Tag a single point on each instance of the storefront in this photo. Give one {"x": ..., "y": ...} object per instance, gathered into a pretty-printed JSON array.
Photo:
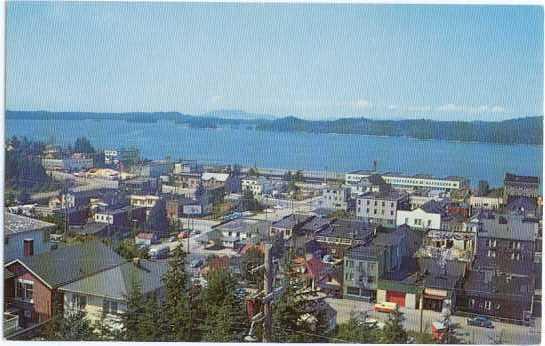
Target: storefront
[{"x": 433, "y": 299}]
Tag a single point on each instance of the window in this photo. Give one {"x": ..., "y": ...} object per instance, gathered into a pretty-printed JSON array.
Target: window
[
  {"x": 109, "y": 307},
  {"x": 392, "y": 204},
  {"x": 429, "y": 223},
  {"x": 78, "y": 301},
  {"x": 472, "y": 302},
  {"x": 391, "y": 213},
  {"x": 383, "y": 203},
  {"x": 488, "y": 305},
  {"x": 24, "y": 290}
]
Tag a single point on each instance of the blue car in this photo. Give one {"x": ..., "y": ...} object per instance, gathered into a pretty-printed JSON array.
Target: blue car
[{"x": 480, "y": 322}]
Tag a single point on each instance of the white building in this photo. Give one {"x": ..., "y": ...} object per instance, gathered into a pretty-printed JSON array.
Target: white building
[
  {"x": 336, "y": 198},
  {"x": 67, "y": 164},
  {"x": 381, "y": 207},
  {"x": 146, "y": 201},
  {"x": 484, "y": 202},
  {"x": 258, "y": 186},
  {"x": 24, "y": 236},
  {"x": 417, "y": 181},
  {"x": 111, "y": 156},
  {"x": 423, "y": 218}
]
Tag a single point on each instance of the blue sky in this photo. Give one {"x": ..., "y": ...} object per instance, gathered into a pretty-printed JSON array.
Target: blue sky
[{"x": 313, "y": 61}]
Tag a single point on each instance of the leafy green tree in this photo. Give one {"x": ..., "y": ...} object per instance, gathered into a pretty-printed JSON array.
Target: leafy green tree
[
  {"x": 68, "y": 325},
  {"x": 292, "y": 187},
  {"x": 393, "y": 331},
  {"x": 339, "y": 214},
  {"x": 354, "y": 332},
  {"x": 82, "y": 145},
  {"x": 253, "y": 172},
  {"x": 128, "y": 250},
  {"x": 298, "y": 176},
  {"x": 251, "y": 259},
  {"x": 249, "y": 202}
]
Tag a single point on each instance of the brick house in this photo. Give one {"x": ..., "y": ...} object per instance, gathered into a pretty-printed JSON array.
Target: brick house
[{"x": 32, "y": 291}]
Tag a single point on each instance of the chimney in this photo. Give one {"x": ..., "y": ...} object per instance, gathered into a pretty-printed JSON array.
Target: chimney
[{"x": 28, "y": 247}]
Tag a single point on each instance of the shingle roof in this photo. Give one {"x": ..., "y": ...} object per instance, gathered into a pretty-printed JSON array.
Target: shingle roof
[
  {"x": 18, "y": 224},
  {"x": 435, "y": 207},
  {"x": 89, "y": 228},
  {"x": 390, "y": 195},
  {"x": 432, "y": 266},
  {"x": 498, "y": 284},
  {"x": 116, "y": 283},
  {"x": 315, "y": 224},
  {"x": 356, "y": 229},
  {"x": 291, "y": 221},
  {"x": 389, "y": 238},
  {"x": 364, "y": 252},
  {"x": 507, "y": 227},
  {"x": 71, "y": 263}
]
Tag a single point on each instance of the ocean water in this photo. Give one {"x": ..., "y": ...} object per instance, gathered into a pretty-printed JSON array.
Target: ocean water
[{"x": 331, "y": 152}]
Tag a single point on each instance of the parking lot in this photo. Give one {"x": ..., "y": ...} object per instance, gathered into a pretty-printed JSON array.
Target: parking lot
[{"x": 502, "y": 332}]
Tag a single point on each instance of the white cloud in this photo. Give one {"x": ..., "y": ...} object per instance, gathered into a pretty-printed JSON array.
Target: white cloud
[
  {"x": 361, "y": 104},
  {"x": 216, "y": 99},
  {"x": 418, "y": 108},
  {"x": 471, "y": 109}
]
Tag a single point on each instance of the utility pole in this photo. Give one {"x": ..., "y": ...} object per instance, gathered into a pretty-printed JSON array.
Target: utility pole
[
  {"x": 421, "y": 306},
  {"x": 267, "y": 309}
]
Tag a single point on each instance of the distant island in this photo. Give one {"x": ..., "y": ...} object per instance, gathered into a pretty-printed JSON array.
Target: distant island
[{"x": 528, "y": 130}]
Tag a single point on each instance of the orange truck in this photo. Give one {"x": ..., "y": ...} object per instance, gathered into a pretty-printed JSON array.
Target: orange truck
[{"x": 385, "y": 307}]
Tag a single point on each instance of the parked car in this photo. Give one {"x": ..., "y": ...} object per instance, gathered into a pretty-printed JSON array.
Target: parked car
[
  {"x": 385, "y": 307},
  {"x": 159, "y": 252},
  {"x": 373, "y": 323},
  {"x": 171, "y": 239},
  {"x": 196, "y": 263},
  {"x": 480, "y": 321}
]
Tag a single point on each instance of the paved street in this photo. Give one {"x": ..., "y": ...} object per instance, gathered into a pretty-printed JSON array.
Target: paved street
[{"x": 510, "y": 333}]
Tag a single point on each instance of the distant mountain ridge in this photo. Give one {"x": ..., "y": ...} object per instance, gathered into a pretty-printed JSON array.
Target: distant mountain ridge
[
  {"x": 528, "y": 130},
  {"x": 237, "y": 114}
]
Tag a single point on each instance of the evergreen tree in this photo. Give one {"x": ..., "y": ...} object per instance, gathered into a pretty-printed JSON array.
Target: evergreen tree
[
  {"x": 75, "y": 326},
  {"x": 135, "y": 314},
  {"x": 393, "y": 331},
  {"x": 290, "y": 307},
  {"x": 177, "y": 305},
  {"x": 225, "y": 312}
]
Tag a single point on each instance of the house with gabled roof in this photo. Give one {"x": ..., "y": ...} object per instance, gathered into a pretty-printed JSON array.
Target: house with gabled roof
[
  {"x": 25, "y": 236},
  {"x": 33, "y": 290},
  {"x": 103, "y": 296}
]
